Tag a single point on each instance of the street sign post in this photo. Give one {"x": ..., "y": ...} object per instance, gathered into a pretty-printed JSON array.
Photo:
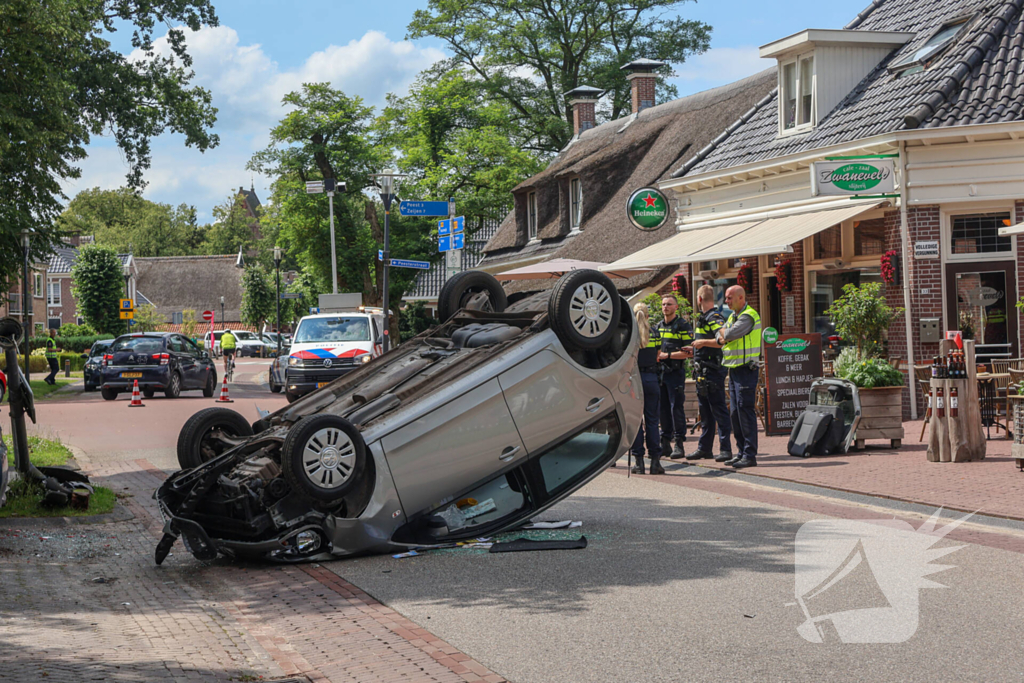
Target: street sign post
[
  {"x": 127, "y": 305},
  {"x": 406, "y": 263},
  {"x": 444, "y": 243},
  {"x": 422, "y": 208},
  {"x": 208, "y": 316},
  {"x": 127, "y": 315},
  {"x": 458, "y": 241},
  {"x": 291, "y": 295},
  {"x": 314, "y": 186}
]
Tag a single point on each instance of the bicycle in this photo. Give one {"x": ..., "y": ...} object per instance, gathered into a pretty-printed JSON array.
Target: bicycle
[{"x": 229, "y": 364}]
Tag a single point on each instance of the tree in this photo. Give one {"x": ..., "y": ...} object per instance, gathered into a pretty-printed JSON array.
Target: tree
[
  {"x": 529, "y": 53},
  {"x": 653, "y": 302},
  {"x": 97, "y": 284},
  {"x": 232, "y": 229},
  {"x": 147, "y": 319},
  {"x": 861, "y": 315},
  {"x": 189, "y": 324},
  {"x": 415, "y": 319},
  {"x": 257, "y": 297},
  {"x": 61, "y": 83}
]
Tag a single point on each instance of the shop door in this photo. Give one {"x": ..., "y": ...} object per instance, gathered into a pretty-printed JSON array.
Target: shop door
[
  {"x": 774, "y": 304},
  {"x": 980, "y": 300}
]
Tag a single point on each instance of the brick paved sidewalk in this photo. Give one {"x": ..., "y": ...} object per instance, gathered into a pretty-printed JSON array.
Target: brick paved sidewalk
[
  {"x": 993, "y": 486},
  {"x": 87, "y": 603}
]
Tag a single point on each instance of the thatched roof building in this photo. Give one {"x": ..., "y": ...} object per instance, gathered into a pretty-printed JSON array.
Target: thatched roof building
[
  {"x": 175, "y": 283},
  {"x": 611, "y": 161}
]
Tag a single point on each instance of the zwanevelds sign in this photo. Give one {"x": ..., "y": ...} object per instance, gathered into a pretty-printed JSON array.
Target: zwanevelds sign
[
  {"x": 791, "y": 363},
  {"x": 647, "y": 209},
  {"x": 871, "y": 176}
]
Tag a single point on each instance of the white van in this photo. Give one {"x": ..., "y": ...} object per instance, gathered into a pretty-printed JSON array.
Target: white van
[{"x": 325, "y": 346}]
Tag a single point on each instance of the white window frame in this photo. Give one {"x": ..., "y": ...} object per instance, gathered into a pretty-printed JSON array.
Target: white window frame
[
  {"x": 37, "y": 285},
  {"x": 951, "y": 211},
  {"x": 799, "y": 126},
  {"x": 50, "y": 299},
  {"x": 531, "y": 215},
  {"x": 575, "y": 204}
]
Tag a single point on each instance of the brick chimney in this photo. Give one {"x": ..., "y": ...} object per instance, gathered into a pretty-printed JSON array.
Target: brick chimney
[
  {"x": 583, "y": 101},
  {"x": 642, "y": 80}
]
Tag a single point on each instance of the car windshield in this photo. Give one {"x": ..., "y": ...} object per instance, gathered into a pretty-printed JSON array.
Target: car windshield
[
  {"x": 138, "y": 345},
  {"x": 333, "y": 329}
]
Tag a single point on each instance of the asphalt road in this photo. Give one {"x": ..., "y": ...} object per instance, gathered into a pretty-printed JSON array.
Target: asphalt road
[
  {"x": 685, "y": 584},
  {"x": 109, "y": 431}
]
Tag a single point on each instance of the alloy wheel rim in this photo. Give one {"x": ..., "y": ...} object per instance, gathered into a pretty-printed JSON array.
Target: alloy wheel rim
[
  {"x": 591, "y": 309},
  {"x": 329, "y": 458}
]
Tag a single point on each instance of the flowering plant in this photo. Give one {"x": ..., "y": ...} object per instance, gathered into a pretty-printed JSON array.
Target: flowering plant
[
  {"x": 889, "y": 262},
  {"x": 745, "y": 278},
  {"x": 783, "y": 275}
]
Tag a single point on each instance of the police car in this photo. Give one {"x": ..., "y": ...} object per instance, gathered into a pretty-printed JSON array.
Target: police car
[{"x": 330, "y": 344}]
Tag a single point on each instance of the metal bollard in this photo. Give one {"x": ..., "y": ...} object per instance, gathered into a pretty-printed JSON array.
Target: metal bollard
[{"x": 67, "y": 367}]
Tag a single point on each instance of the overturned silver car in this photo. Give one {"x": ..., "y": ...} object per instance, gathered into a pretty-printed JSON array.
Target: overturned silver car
[{"x": 466, "y": 430}]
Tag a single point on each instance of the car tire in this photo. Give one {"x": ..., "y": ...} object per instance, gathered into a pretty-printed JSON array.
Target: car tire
[
  {"x": 173, "y": 389},
  {"x": 275, "y": 388},
  {"x": 584, "y": 309},
  {"x": 211, "y": 384},
  {"x": 90, "y": 387},
  {"x": 108, "y": 394},
  {"x": 148, "y": 393},
  {"x": 193, "y": 447},
  {"x": 323, "y": 458},
  {"x": 458, "y": 290},
  {"x": 292, "y": 398}
]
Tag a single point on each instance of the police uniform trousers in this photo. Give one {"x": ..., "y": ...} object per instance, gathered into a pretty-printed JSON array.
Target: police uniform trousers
[
  {"x": 742, "y": 407},
  {"x": 713, "y": 411},
  {"x": 649, "y": 430},
  {"x": 673, "y": 410}
]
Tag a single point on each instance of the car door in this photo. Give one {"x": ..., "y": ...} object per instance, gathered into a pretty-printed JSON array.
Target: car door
[
  {"x": 549, "y": 398},
  {"x": 446, "y": 452},
  {"x": 204, "y": 366},
  {"x": 185, "y": 362}
]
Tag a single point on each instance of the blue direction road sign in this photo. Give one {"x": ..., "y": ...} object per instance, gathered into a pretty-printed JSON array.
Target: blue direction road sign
[
  {"x": 405, "y": 263},
  {"x": 291, "y": 295},
  {"x": 422, "y": 208},
  {"x": 444, "y": 243},
  {"x": 444, "y": 227},
  {"x": 458, "y": 223},
  {"x": 458, "y": 240},
  {"x": 380, "y": 254}
]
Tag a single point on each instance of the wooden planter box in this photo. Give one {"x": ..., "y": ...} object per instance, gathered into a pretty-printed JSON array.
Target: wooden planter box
[{"x": 881, "y": 416}]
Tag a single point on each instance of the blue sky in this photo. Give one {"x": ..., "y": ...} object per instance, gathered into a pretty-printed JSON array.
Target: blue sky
[{"x": 266, "y": 48}]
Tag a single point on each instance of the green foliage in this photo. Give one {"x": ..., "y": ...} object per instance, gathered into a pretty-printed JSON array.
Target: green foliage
[
  {"x": 555, "y": 47},
  {"x": 415, "y": 319},
  {"x": 862, "y": 317},
  {"x": 189, "y": 323},
  {"x": 147, "y": 319},
  {"x": 653, "y": 302},
  {"x": 41, "y": 452},
  {"x": 232, "y": 228},
  {"x": 73, "y": 330},
  {"x": 98, "y": 284},
  {"x": 62, "y": 82},
  {"x": 25, "y": 499},
  {"x": 78, "y": 344},
  {"x": 257, "y": 297},
  {"x": 868, "y": 372}
]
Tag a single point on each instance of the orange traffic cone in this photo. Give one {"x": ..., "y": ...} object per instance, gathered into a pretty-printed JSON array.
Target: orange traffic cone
[
  {"x": 136, "y": 399},
  {"x": 224, "y": 393}
]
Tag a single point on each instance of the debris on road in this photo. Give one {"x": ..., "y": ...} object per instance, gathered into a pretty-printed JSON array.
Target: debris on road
[{"x": 528, "y": 544}]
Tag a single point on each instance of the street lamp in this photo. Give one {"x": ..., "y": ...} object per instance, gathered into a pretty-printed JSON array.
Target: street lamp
[
  {"x": 388, "y": 182},
  {"x": 277, "y": 268},
  {"x": 127, "y": 294},
  {"x": 26, "y": 300}
]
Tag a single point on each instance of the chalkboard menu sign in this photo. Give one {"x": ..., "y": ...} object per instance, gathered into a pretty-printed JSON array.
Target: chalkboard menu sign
[{"x": 791, "y": 364}]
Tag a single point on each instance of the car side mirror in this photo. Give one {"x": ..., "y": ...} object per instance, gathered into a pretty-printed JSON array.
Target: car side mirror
[
  {"x": 84, "y": 355},
  {"x": 205, "y": 355}
]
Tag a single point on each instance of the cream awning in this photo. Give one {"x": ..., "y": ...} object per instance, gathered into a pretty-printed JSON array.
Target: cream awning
[
  {"x": 775, "y": 235},
  {"x": 680, "y": 248}
]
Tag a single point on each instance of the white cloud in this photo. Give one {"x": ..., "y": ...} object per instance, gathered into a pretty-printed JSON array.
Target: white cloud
[
  {"x": 718, "y": 66},
  {"x": 247, "y": 87}
]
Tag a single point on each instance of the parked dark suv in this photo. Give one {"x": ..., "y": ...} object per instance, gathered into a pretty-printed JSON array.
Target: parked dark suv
[{"x": 160, "y": 361}]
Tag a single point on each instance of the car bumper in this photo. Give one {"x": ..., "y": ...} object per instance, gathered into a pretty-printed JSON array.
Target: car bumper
[
  {"x": 301, "y": 382},
  {"x": 149, "y": 379}
]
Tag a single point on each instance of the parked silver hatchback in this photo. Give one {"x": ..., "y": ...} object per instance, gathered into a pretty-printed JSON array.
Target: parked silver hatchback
[{"x": 468, "y": 429}]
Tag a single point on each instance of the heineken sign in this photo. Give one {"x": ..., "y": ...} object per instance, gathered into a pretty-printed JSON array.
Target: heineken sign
[
  {"x": 647, "y": 209},
  {"x": 865, "y": 176}
]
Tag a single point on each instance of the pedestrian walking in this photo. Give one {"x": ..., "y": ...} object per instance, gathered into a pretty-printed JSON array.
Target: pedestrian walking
[
  {"x": 709, "y": 373},
  {"x": 740, "y": 340},
  {"x": 647, "y": 361},
  {"x": 51, "y": 357},
  {"x": 676, "y": 337}
]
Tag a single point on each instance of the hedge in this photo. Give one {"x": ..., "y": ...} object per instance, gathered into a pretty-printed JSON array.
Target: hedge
[
  {"x": 72, "y": 344},
  {"x": 38, "y": 363}
]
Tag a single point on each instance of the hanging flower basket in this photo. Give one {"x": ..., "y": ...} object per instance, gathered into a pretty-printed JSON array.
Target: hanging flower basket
[
  {"x": 890, "y": 263},
  {"x": 679, "y": 285},
  {"x": 745, "y": 278},
  {"x": 784, "y": 275}
]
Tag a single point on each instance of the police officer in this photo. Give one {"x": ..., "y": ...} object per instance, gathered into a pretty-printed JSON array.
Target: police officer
[
  {"x": 676, "y": 337},
  {"x": 647, "y": 361},
  {"x": 710, "y": 375},
  {"x": 51, "y": 357},
  {"x": 740, "y": 340}
]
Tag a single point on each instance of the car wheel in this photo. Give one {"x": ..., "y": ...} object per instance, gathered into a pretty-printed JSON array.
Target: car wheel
[
  {"x": 196, "y": 443},
  {"x": 90, "y": 387},
  {"x": 584, "y": 309},
  {"x": 108, "y": 394},
  {"x": 211, "y": 384},
  {"x": 460, "y": 289},
  {"x": 174, "y": 386},
  {"x": 323, "y": 458},
  {"x": 275, "y": 388},
  {"x": 292, "y": 398},
  {"x": 148, "y": 393}
]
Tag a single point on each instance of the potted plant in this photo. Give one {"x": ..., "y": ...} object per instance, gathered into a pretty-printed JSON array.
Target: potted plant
[{"x": 861, "y": 316}]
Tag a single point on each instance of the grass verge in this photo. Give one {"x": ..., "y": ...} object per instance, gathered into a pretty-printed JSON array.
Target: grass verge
[
  {"x": 25, "y": 499},
  {"x": 42, "y": 452},
  {"x": 41, "y": 389}
]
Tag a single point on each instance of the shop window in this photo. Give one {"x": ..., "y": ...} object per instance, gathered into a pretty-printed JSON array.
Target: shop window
[
  {"x": 979, "y": 234},
  {"x": 829, "y": 243},
  {"x": 531, "y": 215},
  {"x": 797, "y": 98},
  {"x": 869, "y": 237},
  {"x": 736, "y": 263},
  {"x": 828, "y": 286},
  {"x": 575, "y": 203}
]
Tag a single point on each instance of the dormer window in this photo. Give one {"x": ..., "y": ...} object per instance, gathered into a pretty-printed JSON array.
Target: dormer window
[
  {"x": 933, "y": 47},
  {"x": 575, "y": 203},
  {"x": 531, "y": 215},
  {"x": 797, "y": 90}
]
